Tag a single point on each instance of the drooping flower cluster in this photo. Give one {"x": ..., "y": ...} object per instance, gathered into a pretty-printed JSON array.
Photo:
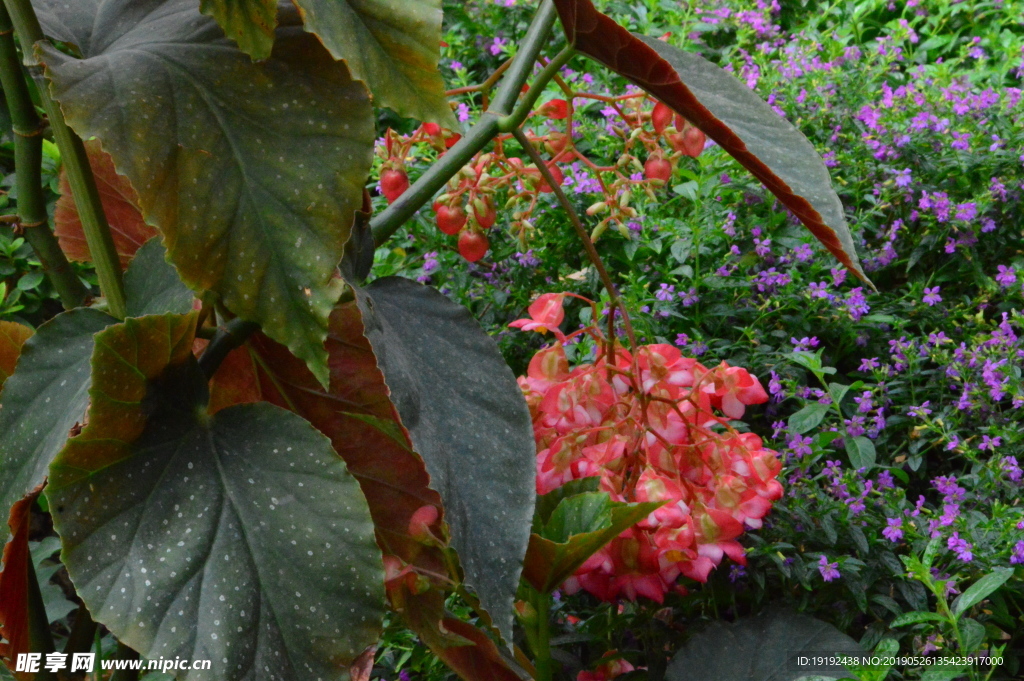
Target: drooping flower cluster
[{"x": 653, "y": 426}]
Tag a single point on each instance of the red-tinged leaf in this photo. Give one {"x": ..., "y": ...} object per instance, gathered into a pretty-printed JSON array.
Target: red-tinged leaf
[
  {"x": 120, "y": 203},
  {"x": 726, "y": 110},
  {"x": 17, "y": 562},
  {"x": 392, "y": 477},
  {"x": 12, "y": 337},
  {"x": 363, "y": 666}
]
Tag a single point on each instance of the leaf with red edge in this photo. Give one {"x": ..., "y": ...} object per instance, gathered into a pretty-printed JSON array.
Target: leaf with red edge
[
  {"x": 726, "y": 110},
  {"x": 17, "y": 562},
  {"x": 120, "y": 203},
  {"x": 354, "y": 414},
  {"x": 392, "y": 477},
  {"x": 12, "y": 337}
]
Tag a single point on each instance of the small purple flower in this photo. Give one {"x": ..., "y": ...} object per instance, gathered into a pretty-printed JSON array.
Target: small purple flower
[
  {"x": 931, "y": 296},
  {"x": 894, "y": 529},
  {"x": 961, "y": 547},
  {"x": 689, "y": 298},
  {"x": 903, "y": 178},
  {"x": 665, "y": 292},
  {"x": 1018, "y": 554},
  {"x": 819, "y": 289},
  {"x": 829, "y": 571},
  {"x": 1007, "y": 276},
  {"x": 799, "y": 445},
  {"x": 805, "y": 343},
  {"x": 682, "y": 340},
  {"x": 803, "y": 253},
  {"x": 989, "y": 443},
  {"x": 868, "y": 364},
  {"x": 1012, "y": 469},
  {"x": 497, "y": 46},
  {"x": 921, "y": 411}
]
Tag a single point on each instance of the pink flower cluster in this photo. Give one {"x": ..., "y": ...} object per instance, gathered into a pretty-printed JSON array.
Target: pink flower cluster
[{"x": 653, "y": 426}]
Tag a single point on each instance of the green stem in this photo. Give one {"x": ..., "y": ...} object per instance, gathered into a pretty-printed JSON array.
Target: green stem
[
  {"x": 588, "y": 245},
  {"x": 82, "y": 633},
  {"x": 542, "y": 650},
  {"x": 125, "y": 653},
  {"x": 227, "y": 338},
  {"x": 40, "y": 638},
  {"x": 387, "y": 223},
  {"x": 28, "y": 157},
  {"x": 525, "y": 106},
  {"x": 76, "y": 164}
]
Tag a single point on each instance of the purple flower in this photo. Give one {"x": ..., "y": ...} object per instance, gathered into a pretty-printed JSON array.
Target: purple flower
[
  {"x": 921, "y": 411},
  {"x": 948, "y": 487},
  {"x": 903, "y": 178},
  {"x": 690, "y": 297},
  {"x": 989, "y": 443},
  {"x": 1018, "y": 554},
  {"x": 1007, "y": 276},
  {"x": 805, "y": 343},
  {"x": 829, "y": 571},
  {"x": 682, "y": 340},
  {"x": 931, "y": 296},
  {"x": 665, "y": 292},
  {"x": 894, "y": 529},
  {"x": 1012, "y": 468},
  {"x": 803, "y": 253},
  {"x": 856, "y": 303},
  {"x": 885, "y": 480},
  {"x": 864, "y": 401},
  {"x": 868, "y": 364},
  {"x": 497, "y": 46},
  {"x": 819, "y": 289},
  {"x": 799, "y": 445},
  {"x": 961, "y": 547}
]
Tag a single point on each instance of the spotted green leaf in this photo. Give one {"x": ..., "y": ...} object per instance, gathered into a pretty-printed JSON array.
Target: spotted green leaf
[
  {"x": 44, "y": 397},
  {"x": 238, "y": 538},
  {"x": 252, "y": 171},
  {"x": 467, "y": 418}
]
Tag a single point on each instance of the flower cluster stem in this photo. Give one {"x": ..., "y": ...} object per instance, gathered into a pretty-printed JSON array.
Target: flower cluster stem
[
  {"x": 387, "y": 222},
  {"x": 76, "y": 164},
  {"x": 32, "y": 218}
]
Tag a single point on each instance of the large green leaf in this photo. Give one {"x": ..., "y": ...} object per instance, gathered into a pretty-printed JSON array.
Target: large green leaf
[
  {"x": 763, "y": 648},
  {"x": 392, "y": 46},
  {"x": 152, "y": 286},
  {"x": 238, "y": 537},
  {"x": 467, "y": 418},
  {"x": 252, "y": 171},
  {"x": 578, "y": 527},
  {"x": 44, "y": 398},
  {"x": 727, "y": 110}
]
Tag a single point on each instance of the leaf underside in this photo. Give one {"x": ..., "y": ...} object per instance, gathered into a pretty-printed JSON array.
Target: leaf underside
[
  {"x": 718, "y": 103},
  {"x": 12, "y": 337},
  {"x": 466, "y": 417},
  {"x": 120, "y": 205},
  {"x": 252, "y": 171},
  {"x": 392, "y": 477},
  {"x": 14, "y": 623},
  {"x": 44, "y": 398},
  {"x": 238, "y": 538}
]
